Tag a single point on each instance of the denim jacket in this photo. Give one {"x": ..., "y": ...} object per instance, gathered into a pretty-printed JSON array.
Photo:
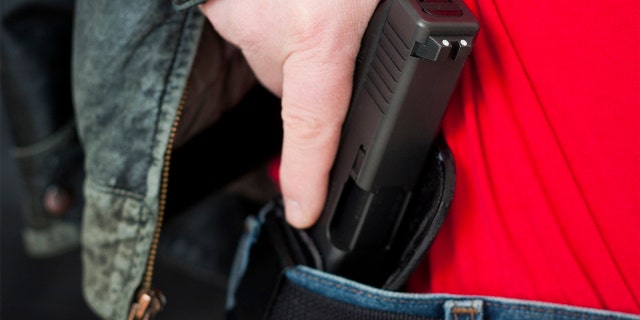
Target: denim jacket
[{"x": 131, "y": 62}]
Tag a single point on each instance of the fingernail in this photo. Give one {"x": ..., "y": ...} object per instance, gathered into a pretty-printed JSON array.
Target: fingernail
[{"x": 294, "y": 214}]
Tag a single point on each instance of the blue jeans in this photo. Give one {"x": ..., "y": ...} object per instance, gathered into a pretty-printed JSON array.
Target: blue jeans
[
  {"x": 437, "y": 306},
  {"x": 305, "y": 293}
]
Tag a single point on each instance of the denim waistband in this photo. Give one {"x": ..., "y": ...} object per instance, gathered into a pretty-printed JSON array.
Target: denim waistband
[{"x": 438, "y": 306}]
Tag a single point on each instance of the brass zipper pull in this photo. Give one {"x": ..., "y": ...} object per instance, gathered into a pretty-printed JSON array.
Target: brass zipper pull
[{"x": 150, "y": 303}]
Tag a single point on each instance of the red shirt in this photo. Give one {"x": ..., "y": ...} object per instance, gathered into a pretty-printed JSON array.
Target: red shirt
[{"x": 544, "y": 128}]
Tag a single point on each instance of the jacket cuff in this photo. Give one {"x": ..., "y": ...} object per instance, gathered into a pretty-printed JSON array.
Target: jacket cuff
[{"x": 181, "y": 5}]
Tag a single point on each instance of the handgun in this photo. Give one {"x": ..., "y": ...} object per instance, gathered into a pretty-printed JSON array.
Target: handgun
[
  {"x": 410, "y": 59},
  {"x": 393, "y": 177}
]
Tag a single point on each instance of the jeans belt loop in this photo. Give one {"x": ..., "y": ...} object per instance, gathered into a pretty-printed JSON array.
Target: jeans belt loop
[{"x": 463, "y": 310}]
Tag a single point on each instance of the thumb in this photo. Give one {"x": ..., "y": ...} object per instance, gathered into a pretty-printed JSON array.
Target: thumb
[{"x": 315, "y": 98}]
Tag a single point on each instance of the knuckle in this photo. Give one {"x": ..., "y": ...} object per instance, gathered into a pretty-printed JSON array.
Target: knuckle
[{"x": 304, "y": 126}]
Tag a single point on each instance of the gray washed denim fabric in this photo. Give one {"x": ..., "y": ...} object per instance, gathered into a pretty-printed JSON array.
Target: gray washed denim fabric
[{"x": 131, "y": 62}]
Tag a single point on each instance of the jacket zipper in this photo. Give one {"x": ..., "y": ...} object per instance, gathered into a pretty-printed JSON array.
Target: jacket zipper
[{"x": 150, "y": 301}]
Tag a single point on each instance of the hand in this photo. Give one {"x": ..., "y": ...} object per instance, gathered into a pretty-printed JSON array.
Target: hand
[{"x": 303, "y": 51}]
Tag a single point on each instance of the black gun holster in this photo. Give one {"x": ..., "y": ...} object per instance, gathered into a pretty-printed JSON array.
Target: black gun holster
[{"x": 270, "y": 249}]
